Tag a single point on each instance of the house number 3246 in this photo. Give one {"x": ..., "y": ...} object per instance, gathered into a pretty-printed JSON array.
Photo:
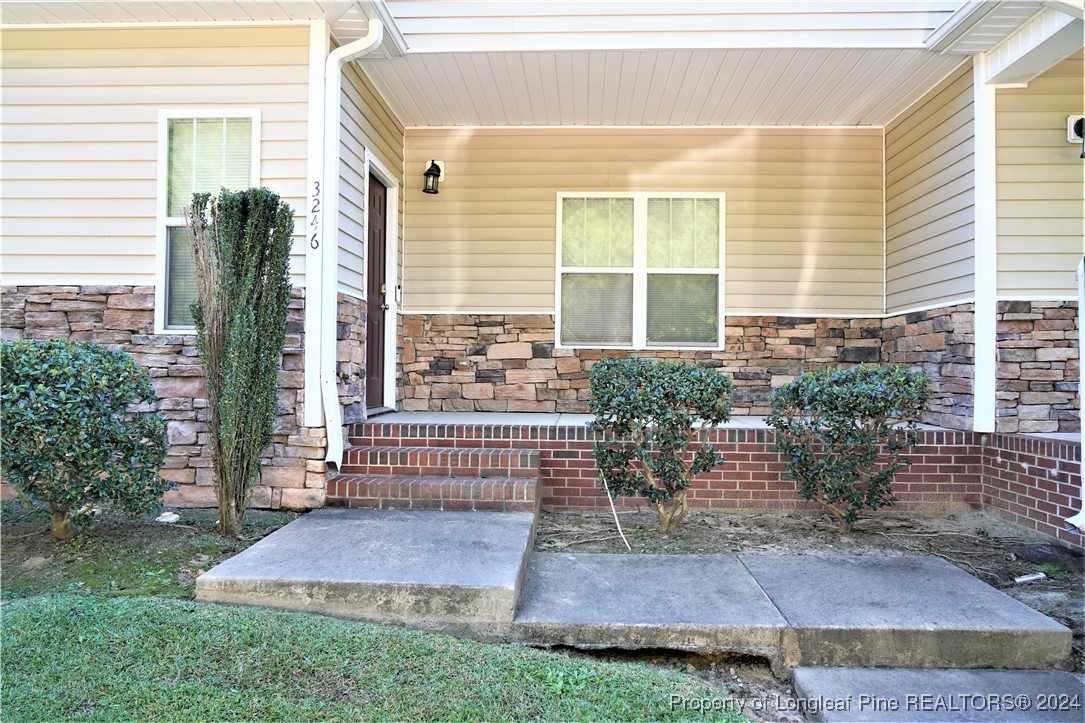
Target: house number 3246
[{"x": 314, "y": 219}]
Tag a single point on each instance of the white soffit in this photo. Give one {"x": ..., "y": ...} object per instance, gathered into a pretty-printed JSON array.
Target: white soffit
[
  {"x": 729, "y": 87},
  {"x": 651, "y": 62},
  {"x": 980, "y": 25}
]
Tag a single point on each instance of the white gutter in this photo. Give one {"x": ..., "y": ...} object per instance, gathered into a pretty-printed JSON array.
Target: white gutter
[
  {"x": 328, "y": 221},
  {"x": 1076, "y": 524}
]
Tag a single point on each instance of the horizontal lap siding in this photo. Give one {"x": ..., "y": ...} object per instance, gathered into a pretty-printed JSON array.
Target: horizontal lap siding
[
  {"x": 80, "y": 138},
  {"x": 365, "y": 119},
  {"x": 1041, "y": 185},
  {"x": 804, "y": 211},
  {"x": 930, "y": 210}
]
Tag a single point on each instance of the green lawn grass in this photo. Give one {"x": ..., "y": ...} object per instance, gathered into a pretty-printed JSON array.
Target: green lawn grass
[{"x": 112, "y": 641}]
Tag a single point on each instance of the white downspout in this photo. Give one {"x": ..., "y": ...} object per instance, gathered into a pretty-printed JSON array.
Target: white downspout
[
  {"x": 329, "y": 221},
  {"x": 1076, "y": 523}
]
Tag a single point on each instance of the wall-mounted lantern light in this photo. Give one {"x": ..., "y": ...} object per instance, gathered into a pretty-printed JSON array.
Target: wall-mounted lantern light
[
  {"x": 432, "y": 175},
  {"x": 1075, "y": 131}
]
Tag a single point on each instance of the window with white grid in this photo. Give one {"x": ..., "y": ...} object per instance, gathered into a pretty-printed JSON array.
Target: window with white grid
[
  {"x": 640, "y": 270},
  {"x": 201, "y": 152}
]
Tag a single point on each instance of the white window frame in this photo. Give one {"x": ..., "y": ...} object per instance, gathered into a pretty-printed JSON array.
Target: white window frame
[
  {"x": 164, "y": 222},
  {"x": 640, "y": 270}
]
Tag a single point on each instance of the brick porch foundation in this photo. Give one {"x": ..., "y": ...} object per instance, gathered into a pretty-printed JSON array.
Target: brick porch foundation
[{"x": 1027, "y": 480}]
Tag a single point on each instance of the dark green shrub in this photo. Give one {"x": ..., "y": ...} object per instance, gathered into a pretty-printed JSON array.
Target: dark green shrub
[
  {"x": 844, "y": 432},
  {"x": 654, "y": 417},
  {"x": 72, "y": 435},
  {"x": 241, "y": 242}
]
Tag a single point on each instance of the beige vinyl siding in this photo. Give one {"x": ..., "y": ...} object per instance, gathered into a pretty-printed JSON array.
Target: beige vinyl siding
[
  {"x": 365, "y": 120},
  {"x": 929, "y": 198},
  {"x": 804, "y": 211},
  {"x": 1040, "y": 185},
  {"x": 80, "y": 138}
]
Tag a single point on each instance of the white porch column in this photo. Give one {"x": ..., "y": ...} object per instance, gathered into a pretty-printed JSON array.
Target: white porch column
[{"x": 986, "y": 251}]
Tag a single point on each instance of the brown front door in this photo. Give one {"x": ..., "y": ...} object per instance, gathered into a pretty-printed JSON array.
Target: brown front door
[{"x": 376, "y": 294}]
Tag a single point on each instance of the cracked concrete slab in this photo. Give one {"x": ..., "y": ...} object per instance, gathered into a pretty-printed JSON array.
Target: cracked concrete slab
[
  {"x": 383, "y": 566},
  {"x": 904, "y": 611},
  {"x": 692, "y": 602},
  {"x": 910, "y": 695}
]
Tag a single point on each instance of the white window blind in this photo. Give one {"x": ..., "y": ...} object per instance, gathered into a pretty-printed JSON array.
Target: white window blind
[
  {"x": 180, "y": 277},
  {"x": 206, "y": 154},
  {"x": 640, "y": 270}
]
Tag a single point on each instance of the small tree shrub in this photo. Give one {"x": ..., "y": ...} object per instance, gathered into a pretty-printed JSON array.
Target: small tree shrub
[
  {"x": 72, "y": 435},
  {"x": 241, "y": 242},
  {"x": 654, "y": 417},
  {"x": 844, "y": 432}
]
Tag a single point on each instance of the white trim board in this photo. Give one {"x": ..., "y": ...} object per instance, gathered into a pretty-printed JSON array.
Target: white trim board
[
  {"x": 136, "y": 24},
  {"x": 705, "y": 127},
  {"x": 732, "y": 313}
]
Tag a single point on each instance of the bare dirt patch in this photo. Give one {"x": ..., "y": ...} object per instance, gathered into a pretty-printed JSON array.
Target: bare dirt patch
[{"x": 980, "y": 544}]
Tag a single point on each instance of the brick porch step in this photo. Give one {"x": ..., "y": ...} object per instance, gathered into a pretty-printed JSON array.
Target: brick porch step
[
  {"x": 461, "y": 494},
  {"x": 440, "y": 461}
]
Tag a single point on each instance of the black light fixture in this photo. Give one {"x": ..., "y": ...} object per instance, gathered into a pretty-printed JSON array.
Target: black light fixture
[
  {"x": 1079, "y": 131},
  {"x": 432, "y": 176}
]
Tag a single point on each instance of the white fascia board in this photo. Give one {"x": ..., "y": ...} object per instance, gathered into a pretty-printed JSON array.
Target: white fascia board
[
  {"x": 618, "y": 127},
  {"x": 945, "y": 36},
  {"x": 1048, "y": 38},
  {"x": 1074, "y": 8},
  {"x": 394, "y": 40}
]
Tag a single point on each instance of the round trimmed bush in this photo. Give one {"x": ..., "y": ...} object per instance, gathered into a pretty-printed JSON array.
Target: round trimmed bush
[{"x": 78, "y": 430}]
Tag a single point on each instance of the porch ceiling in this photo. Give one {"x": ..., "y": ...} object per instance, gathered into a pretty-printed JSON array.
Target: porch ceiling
[
  {"x": 686, "y": 87},
  {"x": 648, "y": 63}
]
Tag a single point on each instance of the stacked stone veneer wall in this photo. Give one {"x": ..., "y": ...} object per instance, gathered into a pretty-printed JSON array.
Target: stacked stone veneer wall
[
  {"x": 1033, "y": 482},
  {"x": 1037, "y": 366},
  {"x": 941, "y": 342},
  {"x": 474, "y": 362},
  {"x": 122, "y": 317},
  {"x": 509, "y": 363},
  {"x": 350, "y": 356}
]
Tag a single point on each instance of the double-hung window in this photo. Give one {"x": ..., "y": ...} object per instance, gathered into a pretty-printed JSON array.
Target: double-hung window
[
  {"x": 199, "y": 152},
  {"x": 640, "y": 270}
]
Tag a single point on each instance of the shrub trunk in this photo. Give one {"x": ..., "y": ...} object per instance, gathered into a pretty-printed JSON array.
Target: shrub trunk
[{"x": 62, "y": 526}]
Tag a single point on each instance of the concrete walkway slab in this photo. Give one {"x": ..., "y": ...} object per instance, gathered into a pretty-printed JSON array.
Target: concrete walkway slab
[
  {"x": 383, "y": 566},
  {"x": 474, "y": 574},
  {"x": 904, "y": 612},
  {"x": 889, "y": 695},
  {"x": 691, "y": 602}
]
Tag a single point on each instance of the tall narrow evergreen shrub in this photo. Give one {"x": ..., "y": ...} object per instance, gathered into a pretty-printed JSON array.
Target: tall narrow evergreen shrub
[{"x": 241, "y": 242}]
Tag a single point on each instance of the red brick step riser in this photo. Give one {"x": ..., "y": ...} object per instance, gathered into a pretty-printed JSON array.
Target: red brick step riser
[
  {"x": 434, "y": 493},
  {"x": 441, "y": 461}
]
